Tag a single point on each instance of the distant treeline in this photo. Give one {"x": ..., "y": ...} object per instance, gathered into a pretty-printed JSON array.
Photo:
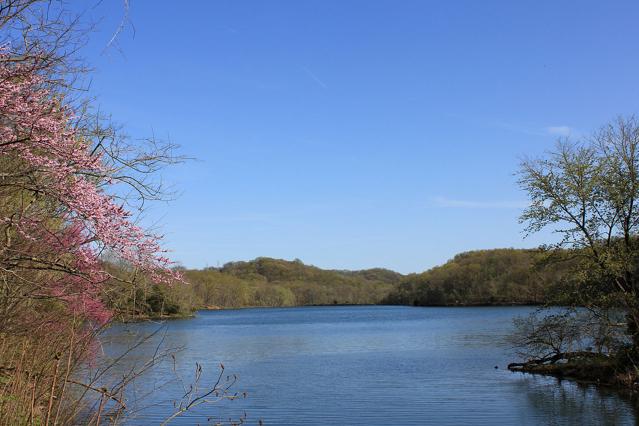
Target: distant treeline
[
  {"x": 484, "y": 277},
  {"x": 260, "y": 282}
]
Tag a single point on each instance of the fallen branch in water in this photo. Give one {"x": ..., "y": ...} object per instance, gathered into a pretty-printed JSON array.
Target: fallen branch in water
[{"x": 553, "y": 359}]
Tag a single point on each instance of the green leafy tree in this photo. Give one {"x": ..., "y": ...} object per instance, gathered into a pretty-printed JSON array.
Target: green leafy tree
[{"x": 587, "y": 192}]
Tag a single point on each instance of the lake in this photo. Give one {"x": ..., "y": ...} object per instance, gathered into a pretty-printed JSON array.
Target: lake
[{"x": 356, "y": 365}]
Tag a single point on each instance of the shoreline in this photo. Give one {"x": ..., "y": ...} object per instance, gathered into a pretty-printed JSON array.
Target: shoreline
[
  {"x": 468, "y": 305},
  {"x": 325, "y": 305},
  {"x": 601, "y": 376}
]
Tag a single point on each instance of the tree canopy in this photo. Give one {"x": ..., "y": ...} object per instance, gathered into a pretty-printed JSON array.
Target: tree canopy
[
  {"x": 483, "y": 277},
  {"x": 586, "y": 192}
]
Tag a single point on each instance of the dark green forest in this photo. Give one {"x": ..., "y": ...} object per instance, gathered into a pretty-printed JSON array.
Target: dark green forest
[{"x": 483, "y": 277}]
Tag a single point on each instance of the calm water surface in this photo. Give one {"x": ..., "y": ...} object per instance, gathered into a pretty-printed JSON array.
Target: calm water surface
[{"x": 358, "y": 366}]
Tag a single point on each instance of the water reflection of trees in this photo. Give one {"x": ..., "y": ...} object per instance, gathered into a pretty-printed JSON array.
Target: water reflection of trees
[{"x": 554, "y": 401}]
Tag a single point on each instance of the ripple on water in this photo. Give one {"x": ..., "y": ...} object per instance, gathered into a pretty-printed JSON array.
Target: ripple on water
[{"x": 362, "y": 366}]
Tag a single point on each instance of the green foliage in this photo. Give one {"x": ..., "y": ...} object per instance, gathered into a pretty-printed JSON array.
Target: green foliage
[
  {"x": 275, "y": 282},
  {"x": 484, "y": 277},
  {"x": 134, "y": 296},
  {"x": 260, "y": 282},
  {"x": 588, "y": 194}
]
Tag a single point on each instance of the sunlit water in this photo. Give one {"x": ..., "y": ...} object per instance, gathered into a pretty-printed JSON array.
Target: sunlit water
[{"x": 365, "y": 365}]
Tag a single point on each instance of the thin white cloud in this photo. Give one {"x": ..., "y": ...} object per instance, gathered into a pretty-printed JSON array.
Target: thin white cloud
[
  {"x": 516, "y": 128},
  {"x": 560, "y": 130},
  {"x": 471, "y": 204}
]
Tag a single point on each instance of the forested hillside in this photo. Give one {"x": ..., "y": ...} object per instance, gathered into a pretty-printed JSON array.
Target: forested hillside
[
  {"x": 274, "y": 282},
  {"x": 260, "y": 282},
  {"x": 483, "y": 277}
]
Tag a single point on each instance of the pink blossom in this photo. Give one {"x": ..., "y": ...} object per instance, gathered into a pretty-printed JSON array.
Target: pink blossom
[{"x": 36, "y": 128}]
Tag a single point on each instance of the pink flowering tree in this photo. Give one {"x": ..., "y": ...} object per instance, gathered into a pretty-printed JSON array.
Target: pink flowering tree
[
  {"x": 58, "y": 215},
  {"x": 69, "y": 181}
]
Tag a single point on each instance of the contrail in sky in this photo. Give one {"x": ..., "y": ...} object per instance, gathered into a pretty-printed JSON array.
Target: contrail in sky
[{"x": 315, "y": 78}]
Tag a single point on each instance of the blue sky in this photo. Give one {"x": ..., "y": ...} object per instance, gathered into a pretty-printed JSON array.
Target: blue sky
[{"x": 355, "y": 134}]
